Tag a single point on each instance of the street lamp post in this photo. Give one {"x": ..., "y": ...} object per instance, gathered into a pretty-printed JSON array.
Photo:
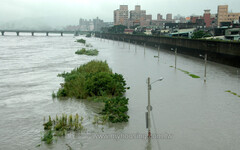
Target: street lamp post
[
  {"x": 205, "y": 69},
  {"x": 175, "y": 57},
  {"x": 128, "y": 44},
  {"x": 149, "y": 107},
  {"x": 144, "y": 47}
]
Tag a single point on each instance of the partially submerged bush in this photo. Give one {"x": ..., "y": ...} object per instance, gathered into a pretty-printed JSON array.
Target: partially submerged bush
[
  {"x": 116, "y": 109},
  {"x": 96, "y": 80},
  {"x": 84, "y": 51},
  {"x": 81, "y": 41}
]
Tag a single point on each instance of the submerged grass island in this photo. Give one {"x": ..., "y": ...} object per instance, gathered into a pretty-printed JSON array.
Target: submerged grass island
[
  {"x": 81, "y": 41},
  {"x": 90, "y": 52},
  {"x": 96, "y": 81}
]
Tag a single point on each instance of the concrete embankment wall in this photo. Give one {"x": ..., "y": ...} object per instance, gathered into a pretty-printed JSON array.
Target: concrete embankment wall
[{"x": 218, "y": 51}]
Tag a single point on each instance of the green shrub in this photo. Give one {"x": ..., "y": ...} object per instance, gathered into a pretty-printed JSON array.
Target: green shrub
[
  {"x": 116, "y": 109},
  {"x": 200, "y": 34},
  {"x": 92, "y": 79}
]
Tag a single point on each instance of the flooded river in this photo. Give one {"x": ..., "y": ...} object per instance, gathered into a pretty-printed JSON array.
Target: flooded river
[{"x": 187, "y": 114}]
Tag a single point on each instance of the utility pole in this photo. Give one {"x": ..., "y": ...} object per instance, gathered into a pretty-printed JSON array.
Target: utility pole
[
  {"x": 148, "y": 108},
  {"x": 205, "y": 71}
]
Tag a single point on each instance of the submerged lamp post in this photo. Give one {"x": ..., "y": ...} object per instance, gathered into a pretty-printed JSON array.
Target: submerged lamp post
[
  {"x": 128, "y": 44},
  {"x": 135, "y": 46},
  {"x": 205, "y": 70},
  {"x": 149, "y": 107},
  {"x": 175, "y": 56},
  {"x": 144, "y": 47}
]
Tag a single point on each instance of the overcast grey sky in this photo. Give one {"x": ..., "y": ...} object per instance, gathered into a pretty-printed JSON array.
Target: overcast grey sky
[{"x": 69, "y": 11}]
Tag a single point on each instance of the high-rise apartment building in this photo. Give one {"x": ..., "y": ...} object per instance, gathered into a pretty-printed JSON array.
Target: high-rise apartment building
[
  {"x": 169, "y": 17},
  {"x": 121, "y": 15},
  {"x": 138, "y": 15},
  {"x": 225, "y": 16},
  {"x": 148, "y": 17},
  {"x": 98, "y": 24},
  {"x": 222, "y": 14},
  {"x": 86, "y": 25}
]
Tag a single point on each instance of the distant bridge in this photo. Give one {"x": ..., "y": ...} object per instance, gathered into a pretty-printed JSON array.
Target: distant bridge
[{"x": 43, "y": 31}]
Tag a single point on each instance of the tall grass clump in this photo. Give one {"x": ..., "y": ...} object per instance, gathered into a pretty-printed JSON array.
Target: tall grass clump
[
  {"x": 95, "y": 80},
  {"x": 60, "y": 126}
]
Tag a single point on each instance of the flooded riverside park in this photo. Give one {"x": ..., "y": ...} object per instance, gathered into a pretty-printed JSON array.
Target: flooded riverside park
[{"x": 187, "y": 113}]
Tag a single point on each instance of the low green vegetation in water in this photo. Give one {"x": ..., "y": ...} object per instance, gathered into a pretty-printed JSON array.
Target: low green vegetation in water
[
  {"x": 188, "y": 73},
  {"x": 60, "y": 125},
  {"x": 194, "y": 76},
  {"x": 54, "y": 95},
  {"x": 89, "y": 45},
  {"x": 96, "y": 81},
  {"x": 48, "y": 137},
  {"x": 81, "y": 41},
  {"x": 84, "y": 51},
  {"x": 89, "y": 35},
  {"x": 233, "y": 93}
]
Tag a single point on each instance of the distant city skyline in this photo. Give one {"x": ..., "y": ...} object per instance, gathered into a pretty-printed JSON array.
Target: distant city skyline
[{"x": 67, "y": 12}]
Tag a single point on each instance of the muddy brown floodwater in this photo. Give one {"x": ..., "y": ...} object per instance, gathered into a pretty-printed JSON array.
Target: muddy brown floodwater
[{"x": 187, "y": 113}]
